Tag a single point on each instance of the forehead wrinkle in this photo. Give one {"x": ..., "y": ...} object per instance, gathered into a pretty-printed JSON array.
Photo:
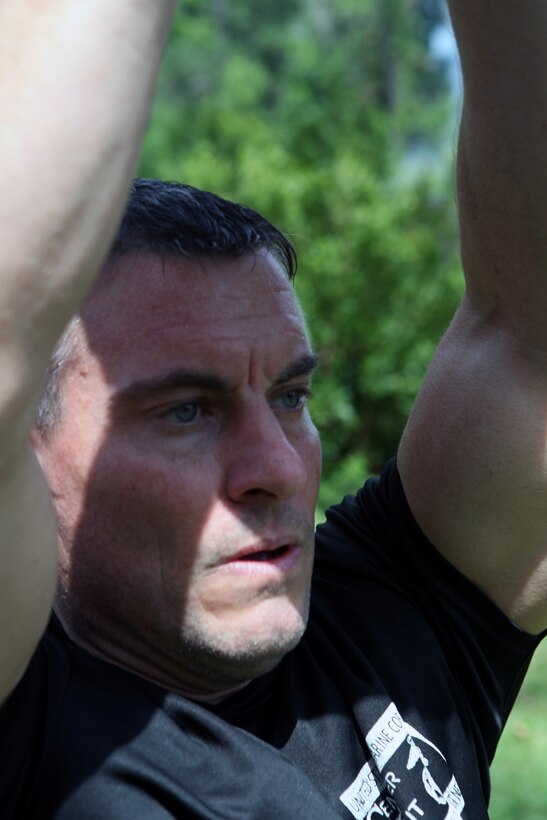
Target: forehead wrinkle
[
  {"x": 255, "y": 306},
  {"x": 271, "y": 293},
  {"x": 203, "y": 330}
]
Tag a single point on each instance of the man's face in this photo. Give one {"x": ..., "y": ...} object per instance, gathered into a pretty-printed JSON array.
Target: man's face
[{"x": 185, "y": 470}]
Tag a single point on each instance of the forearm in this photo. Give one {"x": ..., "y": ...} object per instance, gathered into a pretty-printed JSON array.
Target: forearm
[
  {"x": 502, "y": 161},
  {"x": 76, "y": 82},
  {"x": 473, "y": 456}
]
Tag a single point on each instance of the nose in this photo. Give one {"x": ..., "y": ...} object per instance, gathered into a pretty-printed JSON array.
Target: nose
[{"x": 265, "y": 463}]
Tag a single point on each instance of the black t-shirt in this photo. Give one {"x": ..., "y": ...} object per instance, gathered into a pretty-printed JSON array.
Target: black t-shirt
[{"x": 391, "y": 706}]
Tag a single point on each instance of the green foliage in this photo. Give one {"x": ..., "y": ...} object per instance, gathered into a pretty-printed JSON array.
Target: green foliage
[
  {"x": 310, "y": 112},
  {"x": 518, "y": 772}
]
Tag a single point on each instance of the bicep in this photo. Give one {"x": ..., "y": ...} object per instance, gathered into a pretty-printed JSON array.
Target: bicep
[
  {"x": 28, "y": 565},
  {"x": 474, "y": 465}
]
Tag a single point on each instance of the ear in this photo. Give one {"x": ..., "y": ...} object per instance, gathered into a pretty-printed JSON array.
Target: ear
[{"x": 38, "y": 442}]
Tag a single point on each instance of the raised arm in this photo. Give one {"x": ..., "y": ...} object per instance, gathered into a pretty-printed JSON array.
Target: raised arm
[
  {"x": 76, "y": 82},
  {"x": 474, "y": 455}
]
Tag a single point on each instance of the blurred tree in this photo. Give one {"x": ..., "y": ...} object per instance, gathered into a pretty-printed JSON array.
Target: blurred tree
[{"x": 314, "y": 113}]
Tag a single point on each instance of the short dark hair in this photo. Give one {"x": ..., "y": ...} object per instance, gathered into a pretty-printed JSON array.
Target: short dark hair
[{"x": 170, "y": 219}]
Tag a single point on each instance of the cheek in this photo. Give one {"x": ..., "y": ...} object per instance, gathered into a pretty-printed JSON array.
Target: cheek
[
  {"x": 153, "y": 505},
  {"x": 135, "y": 542},
  {"x": 138, "y": 514}
]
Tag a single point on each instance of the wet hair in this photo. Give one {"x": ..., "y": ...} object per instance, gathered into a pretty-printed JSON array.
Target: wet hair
[{"x": 170, "y": 219}]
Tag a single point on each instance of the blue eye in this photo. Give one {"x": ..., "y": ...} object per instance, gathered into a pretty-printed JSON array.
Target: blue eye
[
  {"x": 293, "y": 399},
  {"x": 185, "y": 413}
]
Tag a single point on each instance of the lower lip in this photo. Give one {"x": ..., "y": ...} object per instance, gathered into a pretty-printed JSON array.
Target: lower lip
[{"x": 280, "y": 564}]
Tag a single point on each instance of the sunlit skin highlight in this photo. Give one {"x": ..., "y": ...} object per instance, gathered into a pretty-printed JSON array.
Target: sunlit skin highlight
[{"x": 185, "y": 472}]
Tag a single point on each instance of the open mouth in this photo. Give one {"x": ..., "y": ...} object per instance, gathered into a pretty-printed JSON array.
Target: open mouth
[
  {"x": 263, "y": 562},
  {"x": 265, "y": 555}
]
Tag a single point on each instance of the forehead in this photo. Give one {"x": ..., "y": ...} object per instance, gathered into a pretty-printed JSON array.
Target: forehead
[{"x": 194, "y": 311}]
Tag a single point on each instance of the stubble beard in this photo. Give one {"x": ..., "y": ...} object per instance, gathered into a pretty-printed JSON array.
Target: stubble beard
[{"x": 221, "y": 665}]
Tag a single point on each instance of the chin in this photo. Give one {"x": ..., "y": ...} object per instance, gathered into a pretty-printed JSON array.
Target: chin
[
  {"x": 250, "y": 661},
  {"x": 247, "y": 650}
]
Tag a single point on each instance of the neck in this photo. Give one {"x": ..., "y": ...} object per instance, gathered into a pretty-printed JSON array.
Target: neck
[{"x": 166, "y": 682}]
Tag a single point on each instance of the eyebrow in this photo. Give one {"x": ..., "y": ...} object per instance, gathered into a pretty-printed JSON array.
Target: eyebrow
[
  {"x": 303, "y": 366},
  {"x": 176, "y": 379}
]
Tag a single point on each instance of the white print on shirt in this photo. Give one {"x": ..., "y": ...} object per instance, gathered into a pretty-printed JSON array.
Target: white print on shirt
[{"x": 416, "y": 768}]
